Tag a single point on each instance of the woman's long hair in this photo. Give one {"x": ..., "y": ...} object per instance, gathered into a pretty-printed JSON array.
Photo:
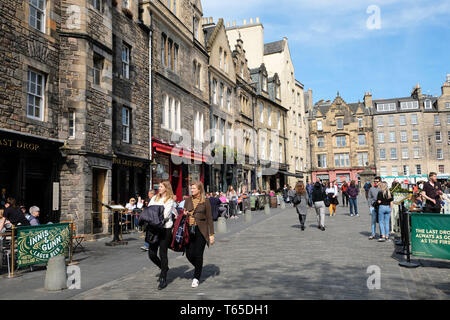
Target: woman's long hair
[
  {"x": 201, "y": 190},
  {"x": 353, "y": 184},
  {"x": 385, "y": 190},
  {"x": 169, "y": 193},
  {"x": 300, "y": 188}
]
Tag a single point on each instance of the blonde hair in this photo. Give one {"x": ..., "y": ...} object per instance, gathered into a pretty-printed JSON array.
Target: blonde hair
[
  {"x": 1, "y": 213},
  {"x": 300, "y": 188},
  {"x": 169, "y": 193},
  {"x": 201, "y": 189},
  {"x": 385, "y": 190}
]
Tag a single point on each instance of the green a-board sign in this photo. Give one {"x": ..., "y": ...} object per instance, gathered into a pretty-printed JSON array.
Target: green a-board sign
[
  {"x": 430, "y": 235},
  {"x": 37, "y": 244}
]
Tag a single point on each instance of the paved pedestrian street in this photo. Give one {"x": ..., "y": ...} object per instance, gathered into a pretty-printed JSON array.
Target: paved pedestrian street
[{"x": 269, "y": 258}]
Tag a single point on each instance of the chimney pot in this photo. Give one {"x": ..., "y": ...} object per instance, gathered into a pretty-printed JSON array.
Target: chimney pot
[
  {"x": 211, "y": 20},
  {"x": 234, "y": 23},
  {"x": 245, "y": 22},
  {"x": 251, "y": 20},
  {"x": 257, "y": 19},
  {"x": 228, "y": 24}
]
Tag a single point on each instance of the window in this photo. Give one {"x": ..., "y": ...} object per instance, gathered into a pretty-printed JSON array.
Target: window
[
  {"x": 220, "y": 58},
  {"x": 277, "y": 91},
  {"x": 262, "y": 149},
  {"x": 174, "y": 7},
  {"x": 98, "y": 67},
  {"x": 383, "y": 171},
  {"x": 448, "y": 118},
  {"x": 125, "y": 61},
  {"x": 380, "y": 121},
  {"x": 418, "y": 169},
  {"x": 299, "y": 120},
  {"x": 37, "y": 14},
  {"x": 280, "y": 150},
  {"x": 320, "y": 142},
  {"x": 448, "y": 138},
  {"x": 163, "y": 49},
  {"x": 427, "y": 104},
  {"x": 216, "y": 131},
  {"x": 437, "y": 121},
  {"x": 171, "y": 114},
  {"x": 403, "y": 136},
  {"x": 319, "y": 125},
  {"x": 341, "y": 160},
  {"x": 402, "y": 120},
  {"x": 363, "y": 158},
  {"x": 447, "y": 105},
  {"x": 392, "y": 136},
  {"x": 214, "y": 87},
  {"x": 301, "y": 164},
  {"x": 385, "y": 106},
  {"x": 270, "y": 151},
  {"x": 279, "y": 120},
  {"x": 414, "y": 118},
  {"x": 261, "y": 112},
  {"x": 126, "y": 4},
  {"x": 269, "y": 115},
  {"x": 196, "y": 71},
  {"x": 229, "y": 135},
  {"x": 300, "y": 142},
  {"x": 295, "y": 140},
  {"x": 242, "y": 69},
  {"x": 438, "y": 136},
  {"x": 341, "y": 141},
  {"x": 415, "y": 135},
  {"x": 395, "y": 171},
  {"x": 71, "y": 124},
  {"x": 382, "y": 154},
  {"x": 360, "y": 123},
  {"x": 221, "y": 95},
  {"x": 380, "y": 137},
  {"x": 175, "y": 59},
  {"x": 198, "y": 126},
  {"x": 406, "y": 105},
  {"x": 225, "y": 64},
  {"x": 229, "y": 100},
  {"x": 322, "y": 160},
  {"x": 362, "y": 139},
  {"x": 264, "y": 83},
  {"x": 126, "y": 125},
  {"x": 439, "y": 154},
  {"x": 222, "y": 131},
  {"x": 293, "y": 118},
  {"x": 406, "y": 170},
  {"x": 441, "y": 168},
  {"x": 393, "y": 153},
  {"x": 340, "y": 123},
  {"x": 35, "y": 95},
  {"x": 293, "y": 97},
  {"x": 391, "y": 121},
  {"x": 196, "y": 25},
  {"x": 416, "y": 152},
  {"x": 97, "y": 4},
  {"x": 169, "y": 54},
  {"x": 405, "y": 154}
]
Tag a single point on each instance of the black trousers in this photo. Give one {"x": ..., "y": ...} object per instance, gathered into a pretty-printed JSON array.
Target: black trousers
[
  {"x": 194, "y": 252},
  {"x": 165, "y": 238},
  {"x": 344, "y": 199},
  {"x": 302, "y": 219}
]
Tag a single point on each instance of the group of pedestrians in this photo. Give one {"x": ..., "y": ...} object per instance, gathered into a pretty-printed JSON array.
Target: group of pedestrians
[{"x": 198, "y": 212}]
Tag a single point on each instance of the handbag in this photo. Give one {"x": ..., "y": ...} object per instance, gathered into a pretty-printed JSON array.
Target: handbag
[{"x": 326, "y": 201}]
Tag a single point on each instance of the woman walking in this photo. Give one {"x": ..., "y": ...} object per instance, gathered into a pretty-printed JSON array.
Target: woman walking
[
  {"x": 385, "y": 201},
  {"x": 300, "y": 202},
  {"x": 318, "y": 197},
  {"x": 353, "y": 192},
  {"x": 332, "y": 194},
  {"x": 232, "y": 200},
  {"x": 163, "y": 198},
  {"x": 201, "y": 228}
]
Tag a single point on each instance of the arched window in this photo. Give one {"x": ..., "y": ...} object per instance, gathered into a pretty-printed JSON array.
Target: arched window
[{"x": 220, "y": 58}]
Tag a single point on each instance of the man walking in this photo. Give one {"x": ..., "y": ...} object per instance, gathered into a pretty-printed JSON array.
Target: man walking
[
  {"x": 309, "y": 190},
  {"x": 373, "y": 205},
  {"x": 367, "y": 187},
  {"x": 432, "y": 193}
]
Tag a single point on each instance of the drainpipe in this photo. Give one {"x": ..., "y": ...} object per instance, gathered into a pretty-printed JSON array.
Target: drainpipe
[{"x": 150, "y": 96}]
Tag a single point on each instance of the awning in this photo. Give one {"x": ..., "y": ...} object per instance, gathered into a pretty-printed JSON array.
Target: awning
[
  {"x": 296, "y": 175},
  {"x": 179, "y": 152}
]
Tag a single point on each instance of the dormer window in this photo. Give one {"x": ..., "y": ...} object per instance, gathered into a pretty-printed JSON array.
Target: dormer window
[
  {"x": 340, "y": 123},
  {"x": 196, "y": 25},
  {"x": 264, "y": 83},
  {"x": 277, "y": 91}
]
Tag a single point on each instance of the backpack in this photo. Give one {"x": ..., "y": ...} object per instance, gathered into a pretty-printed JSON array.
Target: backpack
[{"x": 180, "y": 237}]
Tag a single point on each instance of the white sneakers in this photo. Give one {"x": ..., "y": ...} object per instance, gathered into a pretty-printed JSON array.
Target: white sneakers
[{"x": 194, "y": 283}]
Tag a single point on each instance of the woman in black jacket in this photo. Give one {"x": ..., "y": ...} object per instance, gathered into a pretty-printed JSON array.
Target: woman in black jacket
[{"x": 318, "y": 197}]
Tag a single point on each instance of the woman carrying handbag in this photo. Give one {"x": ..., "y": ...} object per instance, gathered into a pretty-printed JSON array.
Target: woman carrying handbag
[
  {"x": 300, "y": 202},
  {"x": 163, "y": 198},
  {"x": 201, "y": 228}
]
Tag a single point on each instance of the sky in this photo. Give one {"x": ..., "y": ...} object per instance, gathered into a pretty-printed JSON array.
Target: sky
[{"x": 384, "y": 47}]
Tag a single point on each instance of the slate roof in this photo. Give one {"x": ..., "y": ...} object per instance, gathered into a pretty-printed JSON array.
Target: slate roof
[{"x": 273, "y": 47}]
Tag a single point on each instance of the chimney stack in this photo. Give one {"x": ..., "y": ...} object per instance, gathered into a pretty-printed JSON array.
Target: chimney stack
[
  {"x": 257, "y": 19},
  {"x": 234, "y": 23},
  {"x": 211, "y": 20},
  {"x": 368, "y": 99}
]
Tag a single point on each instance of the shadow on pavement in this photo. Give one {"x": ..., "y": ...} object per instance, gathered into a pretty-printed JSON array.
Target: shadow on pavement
[{"x": 187, "y": 272}]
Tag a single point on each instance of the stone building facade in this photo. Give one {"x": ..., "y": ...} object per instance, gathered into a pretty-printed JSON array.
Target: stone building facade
[
  {"x": 341, "y": 140},
  {"x": 79, "y": 63}
]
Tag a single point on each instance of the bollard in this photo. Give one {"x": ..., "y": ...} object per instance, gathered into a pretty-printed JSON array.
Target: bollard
[
  {"x": 282, "y": 204},
  {"x": 221, "y": 225},
  {"x": 248, "y": 215},
  {"x": 56, "y": 277},
  {"x": 267, "y": 208}
]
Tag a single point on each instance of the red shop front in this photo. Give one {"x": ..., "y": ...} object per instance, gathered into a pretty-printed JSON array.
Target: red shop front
[{"x": 181, "y": 175}]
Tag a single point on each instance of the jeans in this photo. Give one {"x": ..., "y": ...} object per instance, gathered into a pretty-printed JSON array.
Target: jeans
[
  {"x": 194, "y": 252},
  {"x": 384, "y": 214},
  {"x": 373, "y": 214},
  {"x": 165, "y": 238},
  {"x": 302, "y": 219},
  {"x": 353, "y": 204}
]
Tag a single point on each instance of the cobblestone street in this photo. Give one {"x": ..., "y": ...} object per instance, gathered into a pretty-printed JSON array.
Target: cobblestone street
[{"x": 268, "y": 258}]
